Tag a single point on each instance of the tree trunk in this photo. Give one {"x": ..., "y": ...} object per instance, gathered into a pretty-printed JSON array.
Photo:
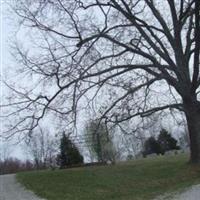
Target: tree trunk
[{"x": 192, "y": 112}]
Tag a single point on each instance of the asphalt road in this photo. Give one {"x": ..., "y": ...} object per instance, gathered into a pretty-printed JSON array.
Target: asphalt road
[
  {"x": 10, "y": 189},
  {"x": 192, "y": 193}
]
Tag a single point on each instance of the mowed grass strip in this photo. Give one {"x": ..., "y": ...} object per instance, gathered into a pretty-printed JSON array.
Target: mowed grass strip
[{"x": 135, "y": 180}]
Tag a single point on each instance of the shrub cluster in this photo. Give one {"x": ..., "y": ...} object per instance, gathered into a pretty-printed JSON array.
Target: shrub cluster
[{"x": 165, "y": 142}]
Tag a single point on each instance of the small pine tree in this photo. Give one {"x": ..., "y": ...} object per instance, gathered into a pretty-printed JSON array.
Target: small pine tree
[
  {"x": 167, "y": 142},
  {"x": 69, "y": 153}
]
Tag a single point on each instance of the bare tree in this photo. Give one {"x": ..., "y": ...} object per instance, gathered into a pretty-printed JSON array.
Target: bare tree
[
  {"x": 99, "y": 139},
  {"x": 43, "y": 148},
  {"x": 134, "y": 50},
  {"x": 5, "y": 150}
]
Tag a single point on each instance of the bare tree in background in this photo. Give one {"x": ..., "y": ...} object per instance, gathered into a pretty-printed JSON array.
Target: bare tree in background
[
  {"x": 43, "y": 148},
  {"x": 133, "y": 50},
  {"x": 99, "y": 139},
  {"x": 5, "y": 150}
]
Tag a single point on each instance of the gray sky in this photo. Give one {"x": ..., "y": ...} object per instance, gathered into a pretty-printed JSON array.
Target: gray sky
[{"x": 6, "y": 31}]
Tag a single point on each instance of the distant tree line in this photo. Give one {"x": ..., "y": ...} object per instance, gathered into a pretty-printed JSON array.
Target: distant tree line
[
  {"x": 98, "y": 140},
  {"x": 14, "y": 165},
  {"x": 50, "y": 152}
]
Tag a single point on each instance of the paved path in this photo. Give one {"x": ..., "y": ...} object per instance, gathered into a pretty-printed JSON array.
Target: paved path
[
  {"x": 192, "y": 193},
  {"x": 11, "y": 190}
]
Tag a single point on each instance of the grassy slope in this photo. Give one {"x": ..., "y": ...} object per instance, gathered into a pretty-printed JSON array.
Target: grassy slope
[{"x": 135, "y": 180}]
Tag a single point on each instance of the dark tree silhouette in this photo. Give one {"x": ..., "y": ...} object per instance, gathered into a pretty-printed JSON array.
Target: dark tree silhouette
[
  {"x": 69, "y": 153},
  {"x": 167, "y": 142},
  {"x": 151, "y": 145}
]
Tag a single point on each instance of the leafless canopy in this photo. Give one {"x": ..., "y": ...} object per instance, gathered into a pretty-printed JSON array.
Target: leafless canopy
[{"x": 132, "y": 51}]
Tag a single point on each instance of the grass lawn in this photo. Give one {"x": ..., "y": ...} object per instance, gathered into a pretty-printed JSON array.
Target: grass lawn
[{"x": 135, "y": 180}]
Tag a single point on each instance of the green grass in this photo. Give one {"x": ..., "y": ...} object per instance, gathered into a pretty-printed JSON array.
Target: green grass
[{"x": 136, "y": 180}]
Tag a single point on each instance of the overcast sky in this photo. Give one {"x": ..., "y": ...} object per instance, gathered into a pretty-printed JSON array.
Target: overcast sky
[{"x": 6, "y": 32}]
